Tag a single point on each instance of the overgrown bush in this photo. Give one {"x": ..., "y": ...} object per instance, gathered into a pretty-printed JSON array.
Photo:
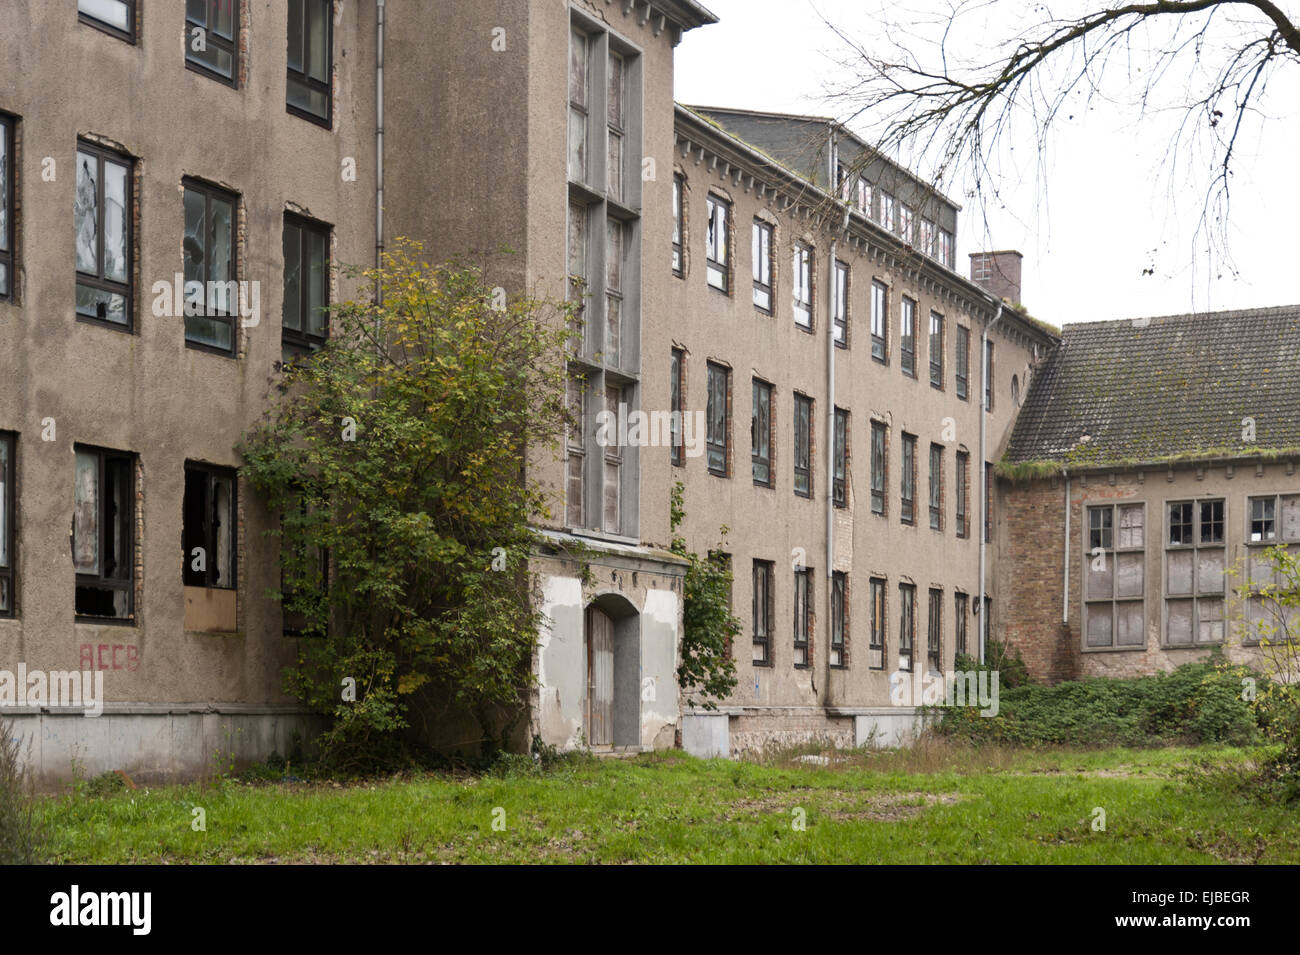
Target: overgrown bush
[
  {"x": 1198, "y": 702},
  {"x": 21, "y": 836},
  {"x": 1000, "y": 657}
]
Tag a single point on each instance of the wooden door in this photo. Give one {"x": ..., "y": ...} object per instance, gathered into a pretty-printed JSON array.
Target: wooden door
[{"x": 600, "y": 678}]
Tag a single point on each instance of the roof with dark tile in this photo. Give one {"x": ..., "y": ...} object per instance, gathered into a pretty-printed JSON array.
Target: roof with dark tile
[{"x": 1163, "y": 389}]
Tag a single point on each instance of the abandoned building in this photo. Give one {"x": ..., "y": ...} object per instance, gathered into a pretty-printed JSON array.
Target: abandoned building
[{"x": 722, "y": 255}]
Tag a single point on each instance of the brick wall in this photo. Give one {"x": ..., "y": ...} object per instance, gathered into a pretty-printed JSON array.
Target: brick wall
[{"x": 1029, "y": 579}]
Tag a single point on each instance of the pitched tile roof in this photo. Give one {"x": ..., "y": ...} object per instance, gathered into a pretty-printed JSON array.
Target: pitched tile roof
[{"x": 1158, "y": 389}]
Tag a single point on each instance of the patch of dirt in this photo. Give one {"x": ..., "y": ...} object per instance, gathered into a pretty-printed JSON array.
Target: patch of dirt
[{"x": 839, "y": 804}]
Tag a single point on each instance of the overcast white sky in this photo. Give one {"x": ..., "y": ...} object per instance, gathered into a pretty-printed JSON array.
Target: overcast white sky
[{"x": 1097, "y": 217}]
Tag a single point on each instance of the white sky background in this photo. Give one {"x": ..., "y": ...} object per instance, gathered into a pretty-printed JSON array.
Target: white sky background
[{"x": 1092, "y": 213}]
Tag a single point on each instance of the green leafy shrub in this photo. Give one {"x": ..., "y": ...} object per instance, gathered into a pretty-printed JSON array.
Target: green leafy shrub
[{"x": 1198, "y": 702}]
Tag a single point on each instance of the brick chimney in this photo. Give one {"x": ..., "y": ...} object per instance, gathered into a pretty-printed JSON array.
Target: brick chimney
[{"x": 998, "y": 273}]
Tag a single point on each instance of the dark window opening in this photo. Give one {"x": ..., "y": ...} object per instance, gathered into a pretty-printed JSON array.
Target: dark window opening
[
  {"x": 211, "y": 261},
  {"x": 212, "y": 39},
  {"x": 305, "y": 318},
  {"x": 102, "y": 211},
  {"x": 311, "y": 60},
  {"x": 103, "y": 525},
  {"x": 208, "y": 529}
]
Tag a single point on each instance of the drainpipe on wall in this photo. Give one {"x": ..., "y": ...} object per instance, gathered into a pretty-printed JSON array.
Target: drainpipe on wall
[
  {"x": 984, "y": 491},
  {"x": 379, "y": 144}
]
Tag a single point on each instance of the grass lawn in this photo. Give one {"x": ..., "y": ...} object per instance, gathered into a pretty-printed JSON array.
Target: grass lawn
[{"x": 938, "y": 802}]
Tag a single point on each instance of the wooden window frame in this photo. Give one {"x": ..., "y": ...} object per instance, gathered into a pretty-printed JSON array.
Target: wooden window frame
[
  {"x": 936, "y": 487},
  {"x": 962, "y": 494},
  {"x": 1195, "y": 545},
  {"x": 962, "y": 370},
  {"x": 961, "y": 623},
  {"x": 907, "y": 482},
  {"x": 907, "y": 627},
  {"x": 8, "y": 254},
  {"x": 677, "y": 398},
  {"x": 718, "y": 271},
  {"x": 839, "y": 640},
  {"x": 840, "y": 459},
  {"x": 878, "y": 604},
  {"x": 803, "y": 629},
  {"x": 840, "y": 300},
  {"x": 1112, "y": 550},
  {"x": 935, "y": 348},
  {"x": 934, "y": 631},
  {"x": 879, "y": 468},
  {"x": 802, "y": 271},
  {"x": 907, "y": 320},
  {"x": 711, "y": 446},
  {"x": 679, "y": 225}
]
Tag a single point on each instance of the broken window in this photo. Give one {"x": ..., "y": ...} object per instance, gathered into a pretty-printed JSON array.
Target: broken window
[
  {"x": 963, "y": 362},
  {"x": 762, "y": 256},
  {"x": 210, "y": 261},
  {"x": 927, "y": 237},
  {"x": 579, "y": 103},
  {"x": 879, "y": 321},
  {"x": 839, "y": 619},
  {"x": 102, "y": 221},
  {"x": 1194, "y": 573},
  {"x": 936, "y": 487},
  {"x": 8, "y": 504},
  {"x": 1263, "y": 519},
  {"x": 760, "y": 433},
  {"x": 7, "y": 192},
  {"x": 616, "y": 108},
  {"x": 907, "y": 337},
  {"x": 988, "y": 382},
  {"x": 615, "y": 250},
  {"x": 112, "y": 16},
  {"x": 212, "y": 38},
  {"x": 579, "y": 280},
  {"x": 876, "y": 649},
  {"x": 304, "y": 323},
  {"x": 946, "y": 248},
  {"x": 934, "y": 632},
  {"x": 717, "y": 252},
  {"x": 208, "y": 526},
  {"x": 311, "y": 60},
  {"x": 879, "y": 476},
  {"x": 803, "y": 612},
  {"x": 907, "y": 507},
  {"x": 936, "y": 350},
  {"x": 575, "y": 444},
  {"x": 906, "y": 625},
  {"x": 801, "y": 291},
  {"x": 719, "y": 419},
  {"x": 103, "y": 526},
  {"x": 888, "y": 205},
  {"x": 764, "y": 611},
  {"x": 613, "y": 461},
  {"x": 864, "y": 198},
  {"x": 839, "y": 490},
  {"x": 803, "y": 428},
  {"x": 1114, "y": 576}
]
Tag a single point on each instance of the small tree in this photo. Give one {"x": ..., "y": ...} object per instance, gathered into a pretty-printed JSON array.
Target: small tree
[
  {"x": 395, "y": 457},
  {"x": 707, "y": 672}
]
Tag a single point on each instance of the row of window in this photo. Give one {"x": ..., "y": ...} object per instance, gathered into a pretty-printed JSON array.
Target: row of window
[
  {"x": 105, "y": 226},
  {"x": 1195, "y": 568},
  {"x": 880, "y": 205},
  {"x": 104, "y": 551},
  {"x": 212, "y": 45},
  {"x": 762, "y": 431},
  {"x": 718, "y": 272},
  {"x": 904, "y": 656}
]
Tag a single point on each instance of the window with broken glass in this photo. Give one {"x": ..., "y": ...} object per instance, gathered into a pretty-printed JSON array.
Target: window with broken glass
[
  {"x": 311, "y": 60},
  {"x": 962, "y": 622},
  {"x": 963, "y": 494},
  {"x": 879, "y": 322},
  {"x": 102, "y": 209},
  {"x": 907, "y": 491},
  {"x": 679, "y": 224},
  {"x": 209, "y": 521},
  {"x": 615, "y": 253},
  {"x": 803, "y": 614},
  {"x": 675, "y": 420},
  {"x": 963, "y": 362},
  {"x": 803, "y": 429},
  {"x": 936, "y": 350},
  {"x": 1114, "y": 576},
  {"x": 103, "y": 533},
  {"x": 764, "y": 575},
  {"x": 1271, "y": 520},
  {"x": 717, "y": 243},
  {"x": 304, "y": 324},
  {"x": 936, "y": 487},
  {"x": 112, "y": 16},
  {"x": 839, "y": 489},
  {"x": 210, "y": 261},
  {"x": 906, "y": 625},
  {"x": 839, "y": 619},
  {"x": 801, "y": 290},
  {"x": 934, "y": 632},
  {"x": 840, "y": 317},
  {"x": 879, "y": 474},
  {"x": 876, "y": 648},
  {"x": 7, "y": 193},
  {"x": 1194, "y": 573},
  {"x": 575, "y": 448},
  {"x": 212, "y": 39}
]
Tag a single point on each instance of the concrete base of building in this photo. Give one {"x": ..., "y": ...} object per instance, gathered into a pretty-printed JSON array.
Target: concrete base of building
[
  {"x": 156, "y": 743},
  {"x": 737, "y": 732}
]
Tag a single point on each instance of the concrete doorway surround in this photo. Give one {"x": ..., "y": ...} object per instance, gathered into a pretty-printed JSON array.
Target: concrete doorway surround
[{"x": 612, "y": 644}]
